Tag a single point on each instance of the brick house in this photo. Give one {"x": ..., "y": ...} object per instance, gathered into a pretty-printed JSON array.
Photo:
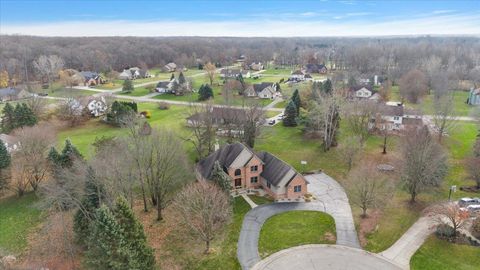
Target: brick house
[{"x": 251, "y": 170}]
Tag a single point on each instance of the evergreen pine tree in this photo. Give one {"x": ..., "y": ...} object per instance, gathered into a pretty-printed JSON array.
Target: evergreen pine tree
[
  {"x": 327, "y": 87},
  {"x": 127, "y": 86},
  {"x": 8, "y": 118},
  {"x": 118, "y": 112},
  {"x": 242, "y": 82},
  {"x": 19, "y": 116},
  {"x": 5, "y": 158},
  {"x": 107, "y": 248},
  {"x": 69, "y": 154},
  {"x": 296, "y": 100},
  {"x": 220, "y": 178},
  {"x": 54, "y": 156},
  {"x": 205, "y": 92},
  {"x": 141, "y": 254},
  {"x": 181, "y": 79},
  {"x": 172, "y": 77},
  {"x": 289, "y": 119},
  {"x": 29, "y": 118},
  {"x": 94, "y": 194}
]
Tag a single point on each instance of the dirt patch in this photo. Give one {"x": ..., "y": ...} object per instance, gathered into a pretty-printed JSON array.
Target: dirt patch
[
  {"x": 368, "y": 225},
  {"x": 329, "y": 237}
]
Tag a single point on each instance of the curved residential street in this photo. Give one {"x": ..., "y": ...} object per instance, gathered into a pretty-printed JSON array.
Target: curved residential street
[
  {"x": 330, "y": 198},
  {"x": 331, "y": 257}
]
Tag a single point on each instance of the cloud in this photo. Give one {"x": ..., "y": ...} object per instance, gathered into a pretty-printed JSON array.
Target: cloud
[
  {"x": 352, "y": 14},
  {"x": 443, "y": 11},
  {"x": 449, "y": 24}
]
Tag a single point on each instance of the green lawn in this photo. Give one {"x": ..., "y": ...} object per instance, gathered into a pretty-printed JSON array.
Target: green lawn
[
  {"x": 137, "y": 92},
  {"x": 281, "y": 104},
  {"x": 260, "y": 199},
  {"x": 66, "y": 92},
  {"x": 18, "y": 217},
  {"x": 295, "y": 228},
  {"x": 280, "y": 71},
  {"x": 436, "y": 254}
]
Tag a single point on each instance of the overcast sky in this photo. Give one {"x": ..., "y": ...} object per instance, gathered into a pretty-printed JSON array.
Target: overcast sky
[{"x": 239, "y": 18}]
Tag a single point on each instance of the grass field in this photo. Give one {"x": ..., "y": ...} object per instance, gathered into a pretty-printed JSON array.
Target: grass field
[
  {"x": 18, "y": 217},
  {"x": 295, "y": 228},
  {"x": 73, "y": 93},
  {"x": 137, "y": 92},
  {"x": 438, "y": 254},
  {"x": 260, "y": 200}
]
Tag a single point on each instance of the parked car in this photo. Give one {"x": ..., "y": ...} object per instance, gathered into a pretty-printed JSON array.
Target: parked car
[
  {"x": 43, "y": 94},
  {"x": 464, "y": 202},
  {"x": 472, "y": 209},
  {"x": 271, "y": 122}
]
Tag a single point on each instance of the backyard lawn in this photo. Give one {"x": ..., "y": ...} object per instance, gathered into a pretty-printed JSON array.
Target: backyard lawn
[
  {"x": 436, "y": 254},
  {"x": 137, "y": 92},
  {"x": 295, "y": 228},
  {"x": 18, "y": 217},
  {"x": 72, "y": 93}
]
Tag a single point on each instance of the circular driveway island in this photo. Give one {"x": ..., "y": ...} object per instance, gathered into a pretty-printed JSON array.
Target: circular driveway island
[{"x": 331, "y": 257}]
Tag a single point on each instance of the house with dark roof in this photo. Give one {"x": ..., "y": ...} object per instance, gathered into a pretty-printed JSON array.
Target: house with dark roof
[
  {"x": 8, "y": 94},
  {"x": 315, "y": 68},
  {"x": 256, "y": 66},
  {"x": 230, "y": 73},
  {"x": 251, "y": 170},
  {"x": 91, "y": 78},
  {"x": 267, "y": 90}
]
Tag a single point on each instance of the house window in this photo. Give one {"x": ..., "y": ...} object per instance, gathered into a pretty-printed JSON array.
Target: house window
[
  {"x": 238, "y": 172},
  {"x": 396, "y": 118},
  {"x": 254, "y": 179},
  {"x": 297, "y": 188},
  {"x": 254, "y": 168}
]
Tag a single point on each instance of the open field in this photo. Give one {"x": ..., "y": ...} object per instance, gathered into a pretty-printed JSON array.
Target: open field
[
  {"x": 74, "y": 93},
  {"x": 295, "y": 228},
  {"x": 137, "y": 92},
  {"x": 438, "y": 254},
  {"x": 18, "y": 217}
]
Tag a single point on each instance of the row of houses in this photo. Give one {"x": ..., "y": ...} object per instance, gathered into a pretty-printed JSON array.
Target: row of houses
[{"x": 134, "y": 73}]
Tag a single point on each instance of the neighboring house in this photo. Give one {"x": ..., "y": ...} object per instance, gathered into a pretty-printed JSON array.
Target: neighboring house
[
  {"x": 262, "y": 90},
  {"x": 247, "y": 74},
  {"x": 389, "y": 117},
  {"x": 474, "y": 97},
  {"x": 125, "y": 75},
  {"x": 363, "y": 92},
  {"x": 256, "y": 66},
  {"x": 170, "y": 67},
  {"x": 411, "y": 121},
  {"x": 250, "y": 170},
  {"x": 230, "y": 73},
  {"x": 97, "y": 106},
  {"x": 220, "y": 116},
  {"x": 164, "y": 87},
  {"x": 91, "y": 78},
  {"x": 297, "y": 75},
  {"x": 315, "y": 68},
  {"x": 8, "y": 94},
  {"x": 11, "y": 143}
]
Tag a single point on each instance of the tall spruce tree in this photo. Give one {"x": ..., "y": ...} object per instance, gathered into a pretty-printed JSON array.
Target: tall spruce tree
[
  {"x": 91, "y": 201},
  {"x": 136, "y": 240},
  {"x": 327, "y": 87},
  {"x": 290, "y": 118},
  {"x": 5, "y": 160},
  {"x": 296, "y": 100},
  {"x": 205, "y": 92},
  {"x": 8, "y": 118},
  {"x": 181, "y": 79},
  {"x": 69, "y": 154},
  {"x": 106, "y": 246},
  {"x": 127, "y": 86},
  {"x": 172, "y": 77},
  {"x": 220, "y": 178}
]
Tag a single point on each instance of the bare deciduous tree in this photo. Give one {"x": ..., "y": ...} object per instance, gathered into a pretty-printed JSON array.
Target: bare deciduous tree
[
  {"x": 204, "y": 209},
  {"x": 48, "y": 66},
  {"x": 203, "y": 128},
  {"x": 367, "y": 187},
  {"x": 473, "y": 169},
  {"x": 349, "y": 150},
  {"x": 34, "y": 144},
  {"x": 450, "y": 214},
  {"x": 254, "y": 116},
  {"x": 413, "y": 85},
  {"x": 444, "y": 117},
  {"x": 211, "y": 70},
  {"x": 71, "y": 110},
  {"x": 424, "y": 163},
  {"x": 38, "y": 105},
  {"x": 358, "y": 115}
]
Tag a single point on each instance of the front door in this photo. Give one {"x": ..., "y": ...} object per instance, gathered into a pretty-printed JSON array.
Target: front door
[{"x": 238, "y": 182}]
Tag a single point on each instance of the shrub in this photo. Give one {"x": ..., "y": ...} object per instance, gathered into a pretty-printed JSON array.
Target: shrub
[
  {"x": 146, "y": 114},
  {"x": 444, "y": 231},
  {"x": 163, "y": 106},
  {"x": 150, "y": 88}
]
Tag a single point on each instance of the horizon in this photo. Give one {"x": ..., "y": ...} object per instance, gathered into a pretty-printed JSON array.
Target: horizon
[{"x": 240, "y": 18}]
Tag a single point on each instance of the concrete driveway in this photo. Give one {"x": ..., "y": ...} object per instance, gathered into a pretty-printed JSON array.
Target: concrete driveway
[
  {"x": 324, "y": 257},
  {"x": 330, "y": 198}
]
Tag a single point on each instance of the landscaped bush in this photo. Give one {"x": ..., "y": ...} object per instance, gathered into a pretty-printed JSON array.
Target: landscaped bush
[
  {"x": 146, "y": 114},
  {"x": 444, "y": 231},
  {"x": 163, "y": 106}
]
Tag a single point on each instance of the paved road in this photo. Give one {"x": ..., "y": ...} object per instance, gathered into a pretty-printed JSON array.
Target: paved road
[
  {"x": 407, "y": 245},
  {"x": 331, "y": 257},
  {"x": 331, "y": 199}
]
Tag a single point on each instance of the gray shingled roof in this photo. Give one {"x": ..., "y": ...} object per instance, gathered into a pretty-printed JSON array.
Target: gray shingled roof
[
  {"x": 258, "y": 87},
  {"x": 274, "y": 169},
  {"x": 8, "y": 92},
  {"x": 388, "y": 110},
  {"x": 225, "y": 156}
]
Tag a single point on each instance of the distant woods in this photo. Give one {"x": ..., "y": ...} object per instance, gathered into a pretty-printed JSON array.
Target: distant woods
[{"x": 27, "y": 57}]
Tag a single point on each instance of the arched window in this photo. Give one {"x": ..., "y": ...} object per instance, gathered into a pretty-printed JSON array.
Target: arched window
[{"x": 238, "y": 172}]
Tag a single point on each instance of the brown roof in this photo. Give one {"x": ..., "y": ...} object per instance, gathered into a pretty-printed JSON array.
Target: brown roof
[
  {"x": 388, "y": 110},
  {"x": 410, "y": 121}
]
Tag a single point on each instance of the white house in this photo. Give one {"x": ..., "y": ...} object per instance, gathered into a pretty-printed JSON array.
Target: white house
[
  {"x": 164, "y": 86},
  {"x": 265, "y": 90},
  {"x": 125, "y": 75},
  {"x": 297, "y": 75},
  {"x": 363, "y": 93}
]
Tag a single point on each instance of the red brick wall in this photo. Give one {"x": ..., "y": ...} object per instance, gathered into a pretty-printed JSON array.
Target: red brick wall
[
  {"x": 297, "y": 181},
  {"x": 255, "y": 161}
]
